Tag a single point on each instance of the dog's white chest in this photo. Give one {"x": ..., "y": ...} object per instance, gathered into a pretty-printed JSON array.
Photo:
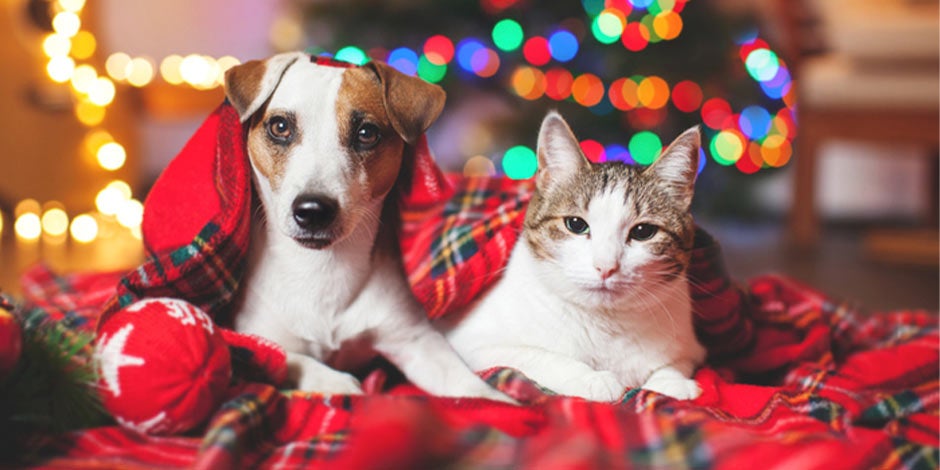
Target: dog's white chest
[{"x": 301, "y": 299}]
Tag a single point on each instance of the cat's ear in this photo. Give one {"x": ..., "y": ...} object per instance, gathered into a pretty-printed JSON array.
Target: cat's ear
[
  {"x": 677, "y": 167},
  {"x": 560, "y": 156}
]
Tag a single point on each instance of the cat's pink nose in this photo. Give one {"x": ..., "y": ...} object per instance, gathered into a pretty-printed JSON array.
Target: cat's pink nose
[{"x": 606, "y": 271}]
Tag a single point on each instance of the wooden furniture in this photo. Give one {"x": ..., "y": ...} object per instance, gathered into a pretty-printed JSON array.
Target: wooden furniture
[{"x": 876, "y": 79}]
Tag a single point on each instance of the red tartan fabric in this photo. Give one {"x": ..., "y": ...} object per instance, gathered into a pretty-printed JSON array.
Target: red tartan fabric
[
  {"x": 457, "y": 235},
  {"x": 825, "y": 386},
  {"x": 794, "y": 378}
]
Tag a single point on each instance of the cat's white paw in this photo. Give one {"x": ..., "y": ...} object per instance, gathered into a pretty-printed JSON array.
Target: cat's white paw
[
  {"x": 678, "y": 388},
  {"x": 595, "y": 386}
]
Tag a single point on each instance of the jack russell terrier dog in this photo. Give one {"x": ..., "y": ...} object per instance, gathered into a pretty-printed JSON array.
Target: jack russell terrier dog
[{"x": 324, "y": 278}]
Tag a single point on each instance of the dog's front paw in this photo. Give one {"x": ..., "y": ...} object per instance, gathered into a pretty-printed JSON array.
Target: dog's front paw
[
  {"x": 310, "y": 375},
  {"x": 675, "y": 387},
  {"x": 595, "y": 386}
]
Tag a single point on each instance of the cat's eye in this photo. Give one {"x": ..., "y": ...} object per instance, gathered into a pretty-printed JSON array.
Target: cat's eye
[
  {"x": 576, "y": 225},
  {"x": 642, "y": 232}
]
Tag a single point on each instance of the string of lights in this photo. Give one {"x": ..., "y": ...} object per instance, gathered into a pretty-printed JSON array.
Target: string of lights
[
  {"x": 750, "y": 139},
  {"x": 68, "y": 50}
]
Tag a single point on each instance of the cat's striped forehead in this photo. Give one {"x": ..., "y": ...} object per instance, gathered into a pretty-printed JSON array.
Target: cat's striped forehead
[
  {"x": 638, "y": 189},
  {"x": 628, "y": 193}
]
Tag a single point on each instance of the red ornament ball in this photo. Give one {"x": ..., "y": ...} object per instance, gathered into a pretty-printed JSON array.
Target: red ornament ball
[
  {"x": 163, "y": 366},
  {"x": 11, "y": 342}
]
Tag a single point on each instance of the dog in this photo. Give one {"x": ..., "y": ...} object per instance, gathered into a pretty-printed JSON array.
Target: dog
[{"x": 324, "y": 278}]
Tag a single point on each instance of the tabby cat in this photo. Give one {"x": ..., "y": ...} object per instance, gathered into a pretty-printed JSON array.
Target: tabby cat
[{"x": 595, "y": 298}]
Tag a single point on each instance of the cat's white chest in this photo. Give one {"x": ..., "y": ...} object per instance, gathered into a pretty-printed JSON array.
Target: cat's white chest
[{"x": 524, "y": 323}]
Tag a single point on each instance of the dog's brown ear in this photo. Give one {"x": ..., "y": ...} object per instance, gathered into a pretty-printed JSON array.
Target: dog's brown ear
[
  {"x": 412, "y": 104},
  {"x": 249, "y": 85}
]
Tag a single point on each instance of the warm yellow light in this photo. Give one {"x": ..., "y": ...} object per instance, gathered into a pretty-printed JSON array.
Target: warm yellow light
[
  {"x": 84, "y": 228},
  {"x": 55, "y": 222},
  {"x": 102, "y": 91},
  {"x": 26, "y": 206},
  {"x": 95, "y": 139},
  {"x": 66, "y": 23},
  {"x": 56, "y": 45},
  {"x": 89, "y": 113},
  {"x": 140, "y": 72},
  {"x": 72, "y": 5},
  {"x": 479, "y": 166},
  {"x": 83, "y": 78},
  {"x": 60, "y": 68},
  {"x": 130, "y": 213},
  {"x": 137, "y": 233},
  {"x": 227, "y": 62},
  {"x": 211, "y": 79},
  {"x": 28, "y": 226},
  {"x": 286, "y": 33},
  {"x": 109, "y": 200},
  {"x": 121, "y": 187},
  {"x": 195, "y": 69},
  {"x": 1, "y": 222},
  {"x": 170, "y": 69},
  {"x": 117, "y": 65},
  {"x": 83, "y": 45},
  {"x": 111, "y": 156}
]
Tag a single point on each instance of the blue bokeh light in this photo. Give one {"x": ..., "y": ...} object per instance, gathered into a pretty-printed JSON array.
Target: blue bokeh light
[
  {"x": 563, "y": 45},
  {"x": 755, "y": 122},
  {"x": 465, "y": 52},
  {"x": 404, "y": 60}
]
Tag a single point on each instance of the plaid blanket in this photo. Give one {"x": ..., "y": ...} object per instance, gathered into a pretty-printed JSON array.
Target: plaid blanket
[
  {"x": 824, "y": 385},
  {"x": 793, "y": 378}
]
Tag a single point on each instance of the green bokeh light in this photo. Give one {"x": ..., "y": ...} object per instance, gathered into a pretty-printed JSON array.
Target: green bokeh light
[
  {"x": 429, "y": 71},
  {"x": 762, "y": 64},
  {"x": 648, "y": 21},
  {"x": 603, "y": 25},
  {"x": 592, "y": 7},
  {"x": 352, "y": 54},
  {"x": 645, "y": 147},
  {"x": 726, "y": 148},
  {"x": 507, "y": 35},
  {"x": 660, "y": 6},
  {"x": 520, "y": 162}
]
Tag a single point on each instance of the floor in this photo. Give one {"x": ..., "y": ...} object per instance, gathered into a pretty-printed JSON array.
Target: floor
[{"x": 838, "y": 267}]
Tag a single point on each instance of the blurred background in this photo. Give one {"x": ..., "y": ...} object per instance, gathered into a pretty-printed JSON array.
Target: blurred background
[{"x": 820, "y": 117}]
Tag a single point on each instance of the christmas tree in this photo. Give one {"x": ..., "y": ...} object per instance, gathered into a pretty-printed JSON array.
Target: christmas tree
[{"x": 628, "y": 75}]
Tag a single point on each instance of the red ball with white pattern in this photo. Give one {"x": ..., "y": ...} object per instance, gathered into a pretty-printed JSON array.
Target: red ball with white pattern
[{"x": 163, "y": 366}]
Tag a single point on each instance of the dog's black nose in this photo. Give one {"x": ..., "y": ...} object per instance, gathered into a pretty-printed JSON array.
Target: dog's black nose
[{"x": 314, "y": 212}]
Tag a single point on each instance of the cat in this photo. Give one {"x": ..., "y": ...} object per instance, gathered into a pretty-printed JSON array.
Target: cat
[{"x": 594, "y": 298}]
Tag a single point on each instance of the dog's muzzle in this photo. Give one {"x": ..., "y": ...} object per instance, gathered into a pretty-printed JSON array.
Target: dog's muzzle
[{"x": 314, "y": 214}]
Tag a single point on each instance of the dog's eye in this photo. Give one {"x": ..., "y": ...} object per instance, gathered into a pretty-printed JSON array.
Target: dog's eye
[
  {"x": 642, "y": 232},
  {"x": 367, "y": 136},
  {"x": 279, "y": 128}
]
